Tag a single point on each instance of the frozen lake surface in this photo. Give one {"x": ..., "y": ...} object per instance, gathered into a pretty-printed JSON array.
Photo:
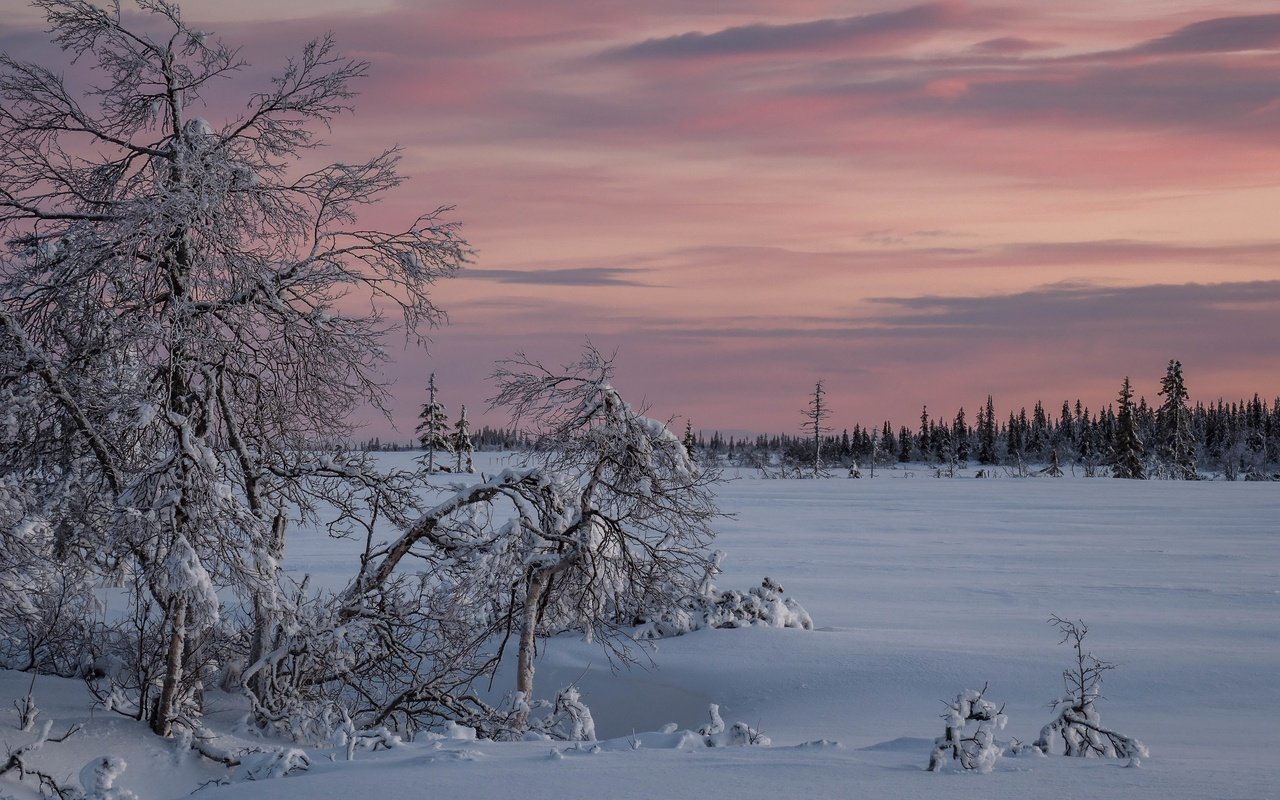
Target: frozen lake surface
[{"x": 919, "y": 588}]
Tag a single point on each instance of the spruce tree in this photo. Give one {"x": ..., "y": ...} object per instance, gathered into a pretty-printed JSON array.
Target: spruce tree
[
  {"x": 987, "y": 434},
  {"x": 1127, "y": 451},
  {"x": 960, "y": 437},
  {"x": 689, "y": 441},
  {"x": 461, "y": 441},
  {"x": 433, "y": 427},
  {"x": 1176, "y": 445}
]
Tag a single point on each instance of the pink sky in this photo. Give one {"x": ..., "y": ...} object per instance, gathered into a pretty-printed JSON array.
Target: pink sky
[{"x": 918, "y": 203}]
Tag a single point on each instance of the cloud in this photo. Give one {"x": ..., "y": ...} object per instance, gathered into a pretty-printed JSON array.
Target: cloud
[
  {"x": 1191, "y": 312},
  {"x": 576, "y": 276},
  {"x": 1220, "y": 35},
  {"x": 1012, "y": 46},
  {"x": 862, "y": 31}
]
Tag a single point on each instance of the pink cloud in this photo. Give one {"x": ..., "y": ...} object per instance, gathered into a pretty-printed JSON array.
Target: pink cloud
[{"x": 720, "y": 192}]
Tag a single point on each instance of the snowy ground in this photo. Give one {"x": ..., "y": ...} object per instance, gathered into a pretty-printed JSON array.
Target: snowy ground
[{"x": 920, "y": 588}]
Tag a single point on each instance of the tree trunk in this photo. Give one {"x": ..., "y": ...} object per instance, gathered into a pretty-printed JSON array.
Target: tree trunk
[
  {"x": 266, "y": 615},
  {"x": 162, "y": 718},
  {"x": 536, "y": 588}
]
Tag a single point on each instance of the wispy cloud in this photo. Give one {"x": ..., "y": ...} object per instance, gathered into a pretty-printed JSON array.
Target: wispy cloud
[
  {"x": 576, "y": 276},
  {"x": 1220, "y": 35},
  {"x": 863, "y": 31}
]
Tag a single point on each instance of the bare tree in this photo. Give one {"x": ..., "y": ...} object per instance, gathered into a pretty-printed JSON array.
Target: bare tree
[
  {"x": 1077, "y": 722},
  {"x": 816, "y": 416},
  {"x": 171, "y": 350}
]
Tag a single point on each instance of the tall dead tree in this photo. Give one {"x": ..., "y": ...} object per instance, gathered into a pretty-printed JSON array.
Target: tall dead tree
[{"x": 815, "y": 425}]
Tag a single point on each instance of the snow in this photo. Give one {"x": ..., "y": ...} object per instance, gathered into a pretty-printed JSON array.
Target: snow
[{"x": 919, "y": 589}]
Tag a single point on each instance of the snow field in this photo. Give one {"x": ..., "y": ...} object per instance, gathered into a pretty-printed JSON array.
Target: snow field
[{"x": 919, "y": 588}]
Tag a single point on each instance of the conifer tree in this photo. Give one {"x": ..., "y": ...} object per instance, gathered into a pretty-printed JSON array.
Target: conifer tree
[
  {"x": 1176, "y": 443},
  {"x": 433, "y": 427},
  {"x": 960, "y": 437},
  {"x": 923, "y": 441},
  {"x": 689, "y": 441},
  {"x": 1127, "y": 451},
  {"x": 461, "y": 442},
  {"x": 888, "y": 442},
  {"x": 1014, "y": 443},
  {"x": 987, "y": 433}
]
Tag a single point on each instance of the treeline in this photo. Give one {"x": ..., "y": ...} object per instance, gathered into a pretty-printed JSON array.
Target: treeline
[
  {"x": 1175, "y": 439},
  {"x": 1128, "y": 438},
  {"x": 485, "y": 438}
]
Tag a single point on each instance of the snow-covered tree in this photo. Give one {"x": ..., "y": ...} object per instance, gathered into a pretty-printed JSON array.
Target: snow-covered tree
[
  {"x": 987, "y": 433},
  {"x": 433, "y": 427},
  {"x": 689, "y": 441},
  {"x": 1127, "y": 450},
  {"x": 621, "y": 519},
  {"x": 1175, "y": 440},
  {"x": 460, "y": 440},
  {"x": 606, "y": 524},
  {"x": 1077, "y": 722},
  {"x": 171, "y": 348},
  {"x": 969, "y": 737}
]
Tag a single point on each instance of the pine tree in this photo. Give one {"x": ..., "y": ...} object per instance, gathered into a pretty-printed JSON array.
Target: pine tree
[
  {"x": 689, "y": 441},
  {"x": 461, "y": 442},
  {"x": 960, "y": 437},
  {"x": 433, "y": 427},
  {"x": 904, "y": 444},
  {"x": 922, "y": 441},
  {"x": 1127, "y": 452},
  {"x": 987, "y": 433},
  {"x": 1176, "y": 445}
]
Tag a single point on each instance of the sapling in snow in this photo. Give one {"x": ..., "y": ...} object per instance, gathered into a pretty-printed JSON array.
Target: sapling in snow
[
  {"x": 969, "y": 743},
  {"x": 1077, "y": 722}
]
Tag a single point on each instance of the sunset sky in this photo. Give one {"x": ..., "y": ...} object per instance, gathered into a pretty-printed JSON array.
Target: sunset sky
[{"x": 918, "y": 203}]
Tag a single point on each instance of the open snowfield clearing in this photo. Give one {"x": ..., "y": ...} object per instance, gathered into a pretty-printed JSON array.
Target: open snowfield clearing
[{"x": 919, "y": 588}]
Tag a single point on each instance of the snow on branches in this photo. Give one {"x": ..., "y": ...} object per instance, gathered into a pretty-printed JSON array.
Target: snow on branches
[
  {"x": 763, "y": 605},
  {"x": 172, "y": 346},
  {"x": 1077, "y": 722},
  {"x": 971, "y": 722}
]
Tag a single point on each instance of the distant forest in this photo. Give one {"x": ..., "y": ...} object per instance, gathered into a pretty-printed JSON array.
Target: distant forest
[{"x": 1127, "y": 438}]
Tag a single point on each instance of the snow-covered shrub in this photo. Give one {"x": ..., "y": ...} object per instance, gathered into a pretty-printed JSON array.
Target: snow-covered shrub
[
  {"x": 740, "y": 734},
  {"x": 969, "y": 741},
  {"x": 274, "y": 763},
  {"x": 715, "y": 608},
  {"x": 98, "y": 778},
  {"x": 567, "y": 719},
  {"x": 1077, "y": 722},
  {"x": 350, "y": 739}
]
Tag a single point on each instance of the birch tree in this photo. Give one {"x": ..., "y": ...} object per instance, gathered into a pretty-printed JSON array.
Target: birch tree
[{"x": 172, "y": 353}]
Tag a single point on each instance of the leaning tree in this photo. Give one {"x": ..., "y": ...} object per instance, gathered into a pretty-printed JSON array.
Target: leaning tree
[
  {"x": 173, "y": 350},
  {"x": 606, "y": 525}
]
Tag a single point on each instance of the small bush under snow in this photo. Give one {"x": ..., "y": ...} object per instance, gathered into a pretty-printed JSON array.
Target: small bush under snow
[{"x": 714, "y": 608}]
